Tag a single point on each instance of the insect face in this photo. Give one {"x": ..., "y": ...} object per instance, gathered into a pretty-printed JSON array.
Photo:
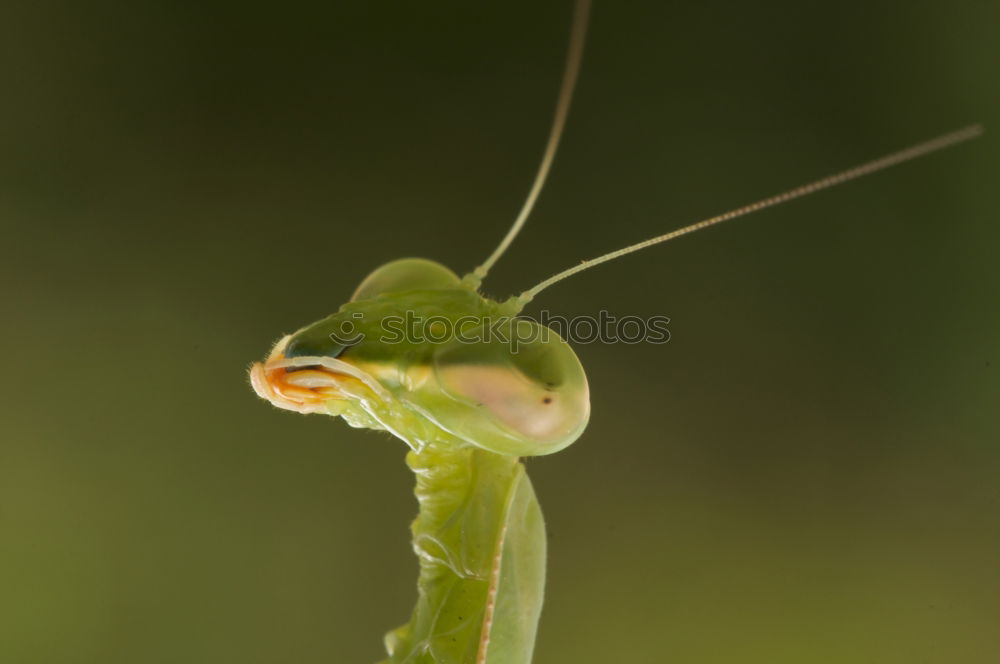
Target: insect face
[{"x": 421, "y": 354}]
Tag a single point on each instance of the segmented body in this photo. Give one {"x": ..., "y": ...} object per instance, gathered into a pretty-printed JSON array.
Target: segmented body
[{"x": 480, "y": 540}]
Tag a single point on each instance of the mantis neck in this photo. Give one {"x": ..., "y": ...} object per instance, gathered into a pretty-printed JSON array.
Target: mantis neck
[{"x": 480, "y": 540}]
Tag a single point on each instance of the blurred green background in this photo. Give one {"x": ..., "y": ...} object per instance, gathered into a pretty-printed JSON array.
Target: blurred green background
[{"x": 808, "y": 472}]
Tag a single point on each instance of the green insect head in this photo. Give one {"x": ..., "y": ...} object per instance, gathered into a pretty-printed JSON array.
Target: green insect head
[{"x": 420, "y": 353}]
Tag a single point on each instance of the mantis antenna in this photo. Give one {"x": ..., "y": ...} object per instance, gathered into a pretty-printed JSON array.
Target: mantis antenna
[
  {"x": 919, "y": 150},
  {"x": 574, "y": 55}
]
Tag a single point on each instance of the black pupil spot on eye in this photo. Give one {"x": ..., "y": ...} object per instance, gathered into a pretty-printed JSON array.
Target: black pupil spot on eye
[{"x": 547, "y": 400}]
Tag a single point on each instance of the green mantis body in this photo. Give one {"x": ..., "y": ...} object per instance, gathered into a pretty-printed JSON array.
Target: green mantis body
[
  {"x": 469, "y": 404},
  {"x": 480, "y": 539}
]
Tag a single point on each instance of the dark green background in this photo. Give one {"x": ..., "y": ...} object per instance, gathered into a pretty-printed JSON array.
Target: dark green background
[{"x": 808, "y": 472}]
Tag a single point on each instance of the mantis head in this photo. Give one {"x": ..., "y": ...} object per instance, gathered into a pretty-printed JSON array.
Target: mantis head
[{"x": 419, "y": 353}]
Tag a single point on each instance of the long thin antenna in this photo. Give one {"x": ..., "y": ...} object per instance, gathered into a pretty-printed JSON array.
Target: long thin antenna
[
  {"x": 574, "y": 55},
  {"x": 893, "y": 159}
]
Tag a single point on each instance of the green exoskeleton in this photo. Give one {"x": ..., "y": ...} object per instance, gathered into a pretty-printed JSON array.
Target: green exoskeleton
[
  {"x": 469, "y": 403},
  {"x": 468, "y": 408}
]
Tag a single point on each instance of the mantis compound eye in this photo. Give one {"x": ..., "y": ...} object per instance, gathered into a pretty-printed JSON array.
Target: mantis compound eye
[
  {"x": 403, "y": 275},
  {"x": 316, "y": 340},
  {"x": 336, "y": 333},
  {"x": 528, "y": 399}
]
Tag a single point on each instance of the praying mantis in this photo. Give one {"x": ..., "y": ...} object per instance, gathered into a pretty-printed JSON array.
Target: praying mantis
[{"x": 469, "y": 405}]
